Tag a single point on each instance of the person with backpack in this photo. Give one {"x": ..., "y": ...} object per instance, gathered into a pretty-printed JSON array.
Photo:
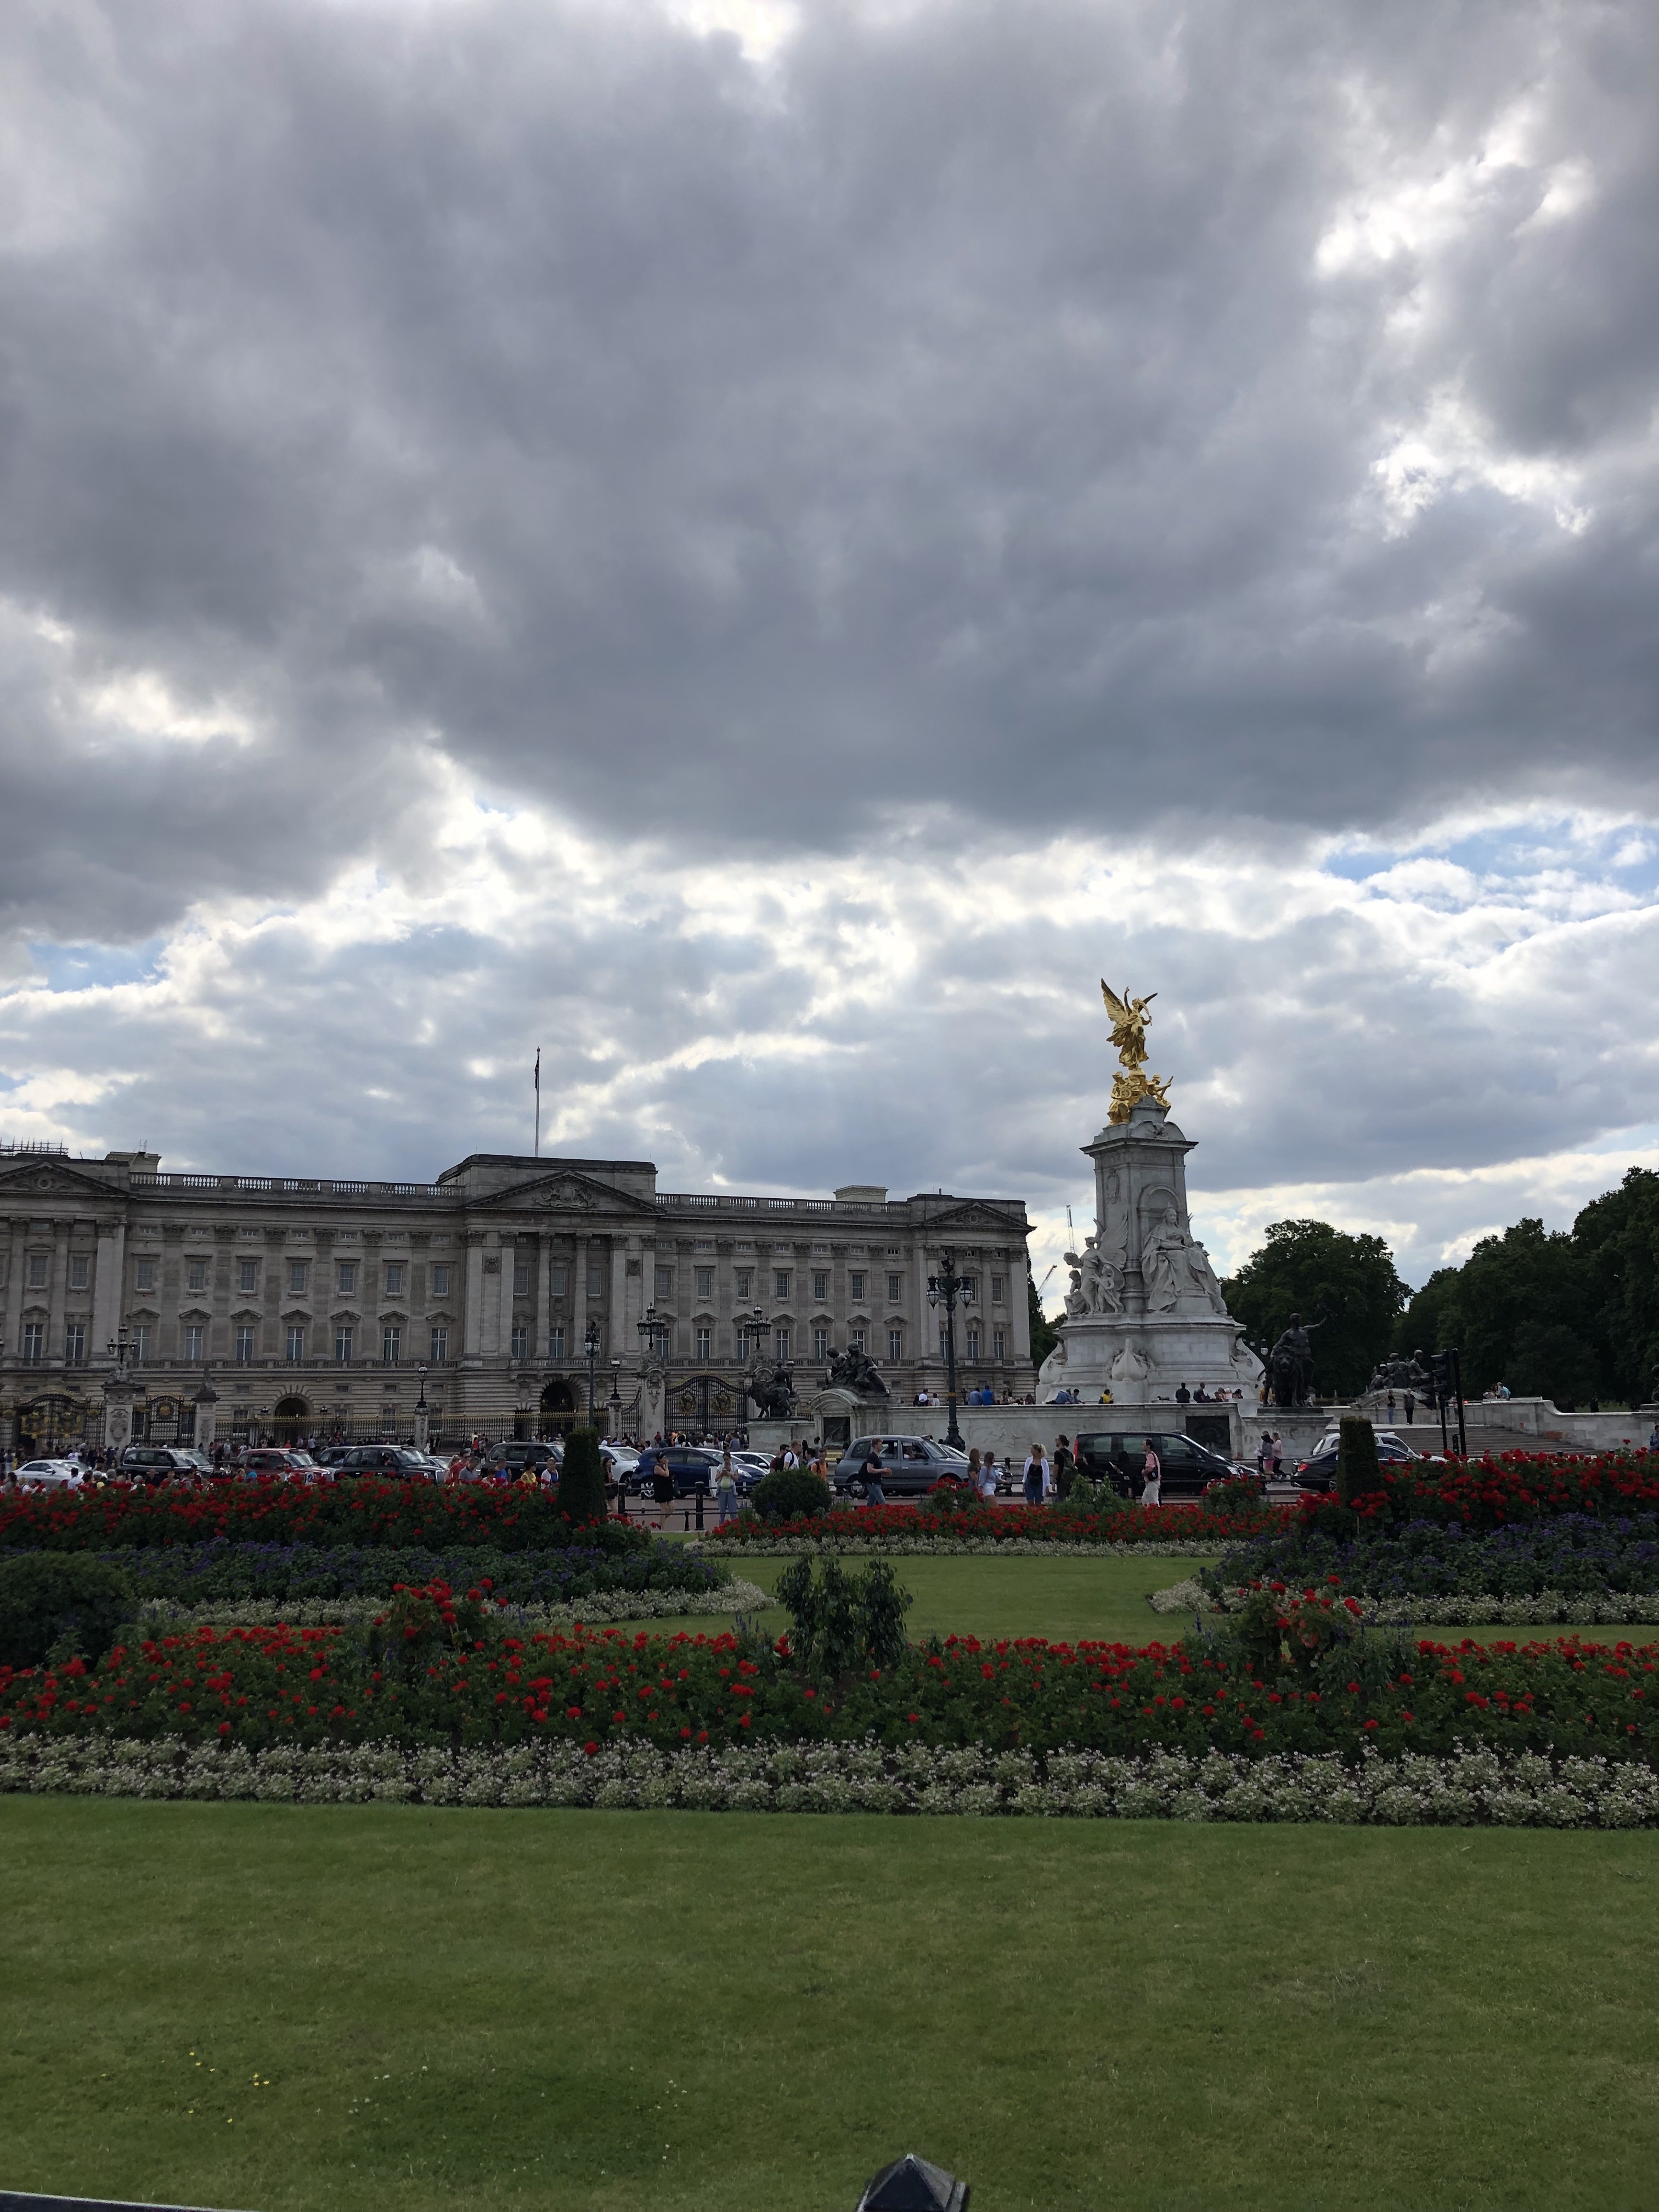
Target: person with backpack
[{"x": 873, "y": 1471}]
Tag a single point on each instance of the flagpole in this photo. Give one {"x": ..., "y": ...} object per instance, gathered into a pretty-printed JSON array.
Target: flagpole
[{"x": 539, "y": 1102}]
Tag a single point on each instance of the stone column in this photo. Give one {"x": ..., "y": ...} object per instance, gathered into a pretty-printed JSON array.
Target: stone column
[
  {"x": 492, "y": 1343},
  {"x": 107, "y": 1275},
  {"x": 472, "y": 1292},
  {"x": 60, "y": 1237},
  {"x": 16, "y": 1269}
]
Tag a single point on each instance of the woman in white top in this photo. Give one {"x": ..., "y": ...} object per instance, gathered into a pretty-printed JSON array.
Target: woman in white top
[
  {"x": 988, "y": 1477},
  {"x": 1151, "y": 1477}
]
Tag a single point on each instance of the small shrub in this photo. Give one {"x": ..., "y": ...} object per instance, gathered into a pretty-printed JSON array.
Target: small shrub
[
  {"x": 841, "y": 1621},
  {"x": 59, "y": 1600},
  {"x": 1357, "y": 1470},
  {"x": 419, "y": 1625},
  {"x": 1241, "y": 1494},
  {"x": 789, "y": 1490},
  {"x": 582, "y": 1479}
]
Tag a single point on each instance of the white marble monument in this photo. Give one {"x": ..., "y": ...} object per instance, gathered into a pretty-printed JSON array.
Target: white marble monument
[{"x": 1145, "y": 1313}]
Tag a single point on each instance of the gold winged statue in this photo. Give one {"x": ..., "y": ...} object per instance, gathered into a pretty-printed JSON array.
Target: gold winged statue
[{"x": 1131, "y": 1084}]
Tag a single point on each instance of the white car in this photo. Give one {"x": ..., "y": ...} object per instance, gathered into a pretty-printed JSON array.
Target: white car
[
  {"x": 50, "y": 1474},
  {"x": 621, "y": 1459}
]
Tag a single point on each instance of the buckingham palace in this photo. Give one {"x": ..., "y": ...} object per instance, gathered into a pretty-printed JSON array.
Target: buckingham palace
[{"x": 173, "y": 1306}]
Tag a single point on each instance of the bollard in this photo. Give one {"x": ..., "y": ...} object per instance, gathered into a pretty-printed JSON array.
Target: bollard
[{"x": 700, "y": 1509}]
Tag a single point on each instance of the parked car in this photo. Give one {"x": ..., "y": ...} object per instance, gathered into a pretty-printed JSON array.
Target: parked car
[
  {"x": 690, "y": 1467},
  {"x": 620, "y": 1460},
  {"x": 515, "y": 1454},
  {"x": 911, "y": 1465},
  {"x": 383, "y": 1459},
  {"x": 50, "y": 1474},
  {"x": 283, "y": 1463},
  {"x": 157, "y": 1462},
  {"x": 1189, "y": 1467},
  {"x": 1319, "y": 1473}
]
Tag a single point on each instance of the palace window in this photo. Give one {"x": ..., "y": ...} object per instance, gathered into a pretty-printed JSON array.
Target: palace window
[
  {"x": 856, "y": 1340},
  {"x": 35, "y": 1343},
  {"x": 521, "y": 1279},
  {"x": 705, "y": 1283},
  {"x": 244, "y": 1346},
  {"x": 196, "y": 1276},
  {"x": 77, "y": 1271},
  {"x": 345, "y": 1278},
  {"x": 664, "y": 1282},
  {"x": 392, "y": 1345},
  {"x": 894, "y": 1289},
  {"x": 820, "y": 1284},
  {"x": 297, "y": 1342},
  {"x": 299, "y": 1278},
  {"x": 555, "y": 1341},
  {"x": 596, "y": 1279},
  {"x": 193, "y": 1343},
  {"x": 520, "y": 1350},
  {"x": 144, "y": 1275},
  {"x": 745, "y": 1285},
  {"x": 342, "y": 1345},
  {"x": 556, "y": 1281},
  {"x": 247, "y": 1275},
  {"x": 998, "y": 1344},
  {"x": 705, "y": 1344},
  {"x": 999, "y": 1289},
  {"x": 37, "y": 1274},
  {"x": 781, "y": 1282},
  {"x": 437, "y": 1347},
  {"x": 780, "y": 1342},
  {"x": 141, "y": 1347},
  {"x": 973, "y": 1343},
  {"x": 394, "y": 1278},
  {"x": 75, "y": 1342},
  {"x": 855, "y": 1286},
  {"x": 820, "y": 1344},
  {"x": 896, "y": 1343},
  {"x": 441, "y": 1279}
]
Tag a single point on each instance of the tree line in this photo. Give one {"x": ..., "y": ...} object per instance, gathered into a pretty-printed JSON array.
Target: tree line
[{"x": 1571, "y": 1315}]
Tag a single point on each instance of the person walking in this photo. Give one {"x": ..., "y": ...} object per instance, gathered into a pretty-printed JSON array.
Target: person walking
[
  {"x": 873, "y": 1471},
  {"x": 1410, "y": 1409},
  {"x": 1036, "y": 1477},
  {"x": 988, "y": 1480},
  {"x": 1151, "y": 1477},
  {"x": 1278, "y": 1456},
  {"x": 725, "y": 1489},
  {"x": 1264, "y": 1454}
]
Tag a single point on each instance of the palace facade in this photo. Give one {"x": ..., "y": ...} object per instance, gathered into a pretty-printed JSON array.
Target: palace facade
[{"x": 486, "y": 1299}]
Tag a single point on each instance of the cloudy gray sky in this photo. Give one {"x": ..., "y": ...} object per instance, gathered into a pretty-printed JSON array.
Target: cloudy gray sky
[{"x": 763, "y": 550}]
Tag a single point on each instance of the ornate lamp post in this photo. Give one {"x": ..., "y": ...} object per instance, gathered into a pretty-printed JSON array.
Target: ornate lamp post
[
  {"x": 653, "y": 1363},
  {"x": 943, "y": 1289},
  {"x": 615, "y": 1397},
  {"x": 421, "y": 1414},
  {"x": 591, "y": 1343}
]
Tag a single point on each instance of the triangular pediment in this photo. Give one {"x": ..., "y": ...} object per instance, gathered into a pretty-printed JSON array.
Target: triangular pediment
[
  {"x": 971, "y": 1215},
  {"x": 51, "y": 1177},
  {"x": 566, "y": 1190}
]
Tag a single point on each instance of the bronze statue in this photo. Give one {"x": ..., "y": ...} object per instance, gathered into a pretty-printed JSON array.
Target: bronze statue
[
  {"x": 772, "y": 1387},
  {"x": 1289, "y": 1365},
  {"x": 853, "y": 1370},
  {"x": 1132, "y": 1083}
]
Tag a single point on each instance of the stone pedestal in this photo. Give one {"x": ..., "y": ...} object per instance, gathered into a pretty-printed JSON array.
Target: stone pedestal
[
  {"x": 422, "y": 1425},
  {"x": 118, "y": 1395},
  {"x": 1146, "y": 1313},
  {"x": 207, "y": 1416}
]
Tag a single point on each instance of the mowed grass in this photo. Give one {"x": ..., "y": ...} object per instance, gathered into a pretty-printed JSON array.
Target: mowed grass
[
  {"x": 285, "y": 2008},
  {"x": 1091, "y": 1595}
]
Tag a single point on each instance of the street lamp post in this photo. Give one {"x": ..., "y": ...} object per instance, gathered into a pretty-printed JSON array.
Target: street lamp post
[
  {"x": 421, "y": 1415},
  {"x": 943, "y": 1289},
  {"x": 592, "y": 1342}
]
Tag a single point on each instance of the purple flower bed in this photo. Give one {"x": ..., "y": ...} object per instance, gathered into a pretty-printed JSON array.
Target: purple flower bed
[{"x": 1430, "y": 1558}]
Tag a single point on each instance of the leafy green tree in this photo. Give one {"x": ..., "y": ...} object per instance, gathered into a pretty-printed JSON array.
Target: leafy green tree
[
  {"x": 1434, "y": 1317},
  {"x": 1045, "y": 1334},
  {"x": 1617, "y": 1236},
  {"x": 1310, "y": 1268},
  {"x": 1523, "y": 1304}
]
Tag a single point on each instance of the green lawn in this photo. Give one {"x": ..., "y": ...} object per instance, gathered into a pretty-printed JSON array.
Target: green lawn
[
  {"x": 1091, "y": 1595},
  {"x": 284, "y": 2008}
]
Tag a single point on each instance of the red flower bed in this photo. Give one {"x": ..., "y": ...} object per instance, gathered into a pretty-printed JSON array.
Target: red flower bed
[
  {"x": 1489, "y": 1492},
  {"x": 428, "y": 1675},
  {"x": 371, "y": 1511}
]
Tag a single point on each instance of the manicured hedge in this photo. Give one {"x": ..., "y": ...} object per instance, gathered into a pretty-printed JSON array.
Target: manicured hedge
[
  {"x": 201, "y": 1574},
  {"x": 864, "y": 1529},
  {"x": 1573, "y": 1552}
]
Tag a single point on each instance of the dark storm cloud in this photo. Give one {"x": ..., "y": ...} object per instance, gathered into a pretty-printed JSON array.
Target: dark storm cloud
[{"x": 960, "y": 409}]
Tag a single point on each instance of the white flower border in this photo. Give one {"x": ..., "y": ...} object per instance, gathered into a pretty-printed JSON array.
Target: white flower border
[
  {"x": 1466, "y": 1789},
  {"x": 1546, "y": 1609},
  {"x": 924, "y": 1547},
  {"x": 597, "y": 1611}
]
